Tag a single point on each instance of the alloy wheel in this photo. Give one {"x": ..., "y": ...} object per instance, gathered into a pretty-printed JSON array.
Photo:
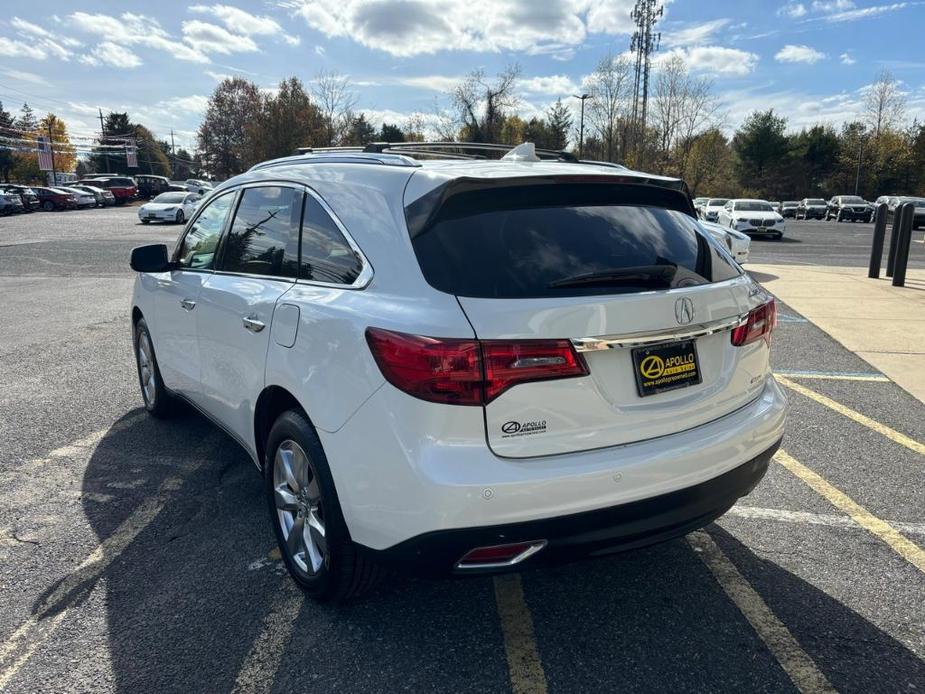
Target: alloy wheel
[
  {"x": 146, "y": 369},
  {"x": 298, "y": 508}
]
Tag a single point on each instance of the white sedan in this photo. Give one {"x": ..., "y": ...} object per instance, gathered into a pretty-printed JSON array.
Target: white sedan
[
  {"x": 752, "y": 217},
  {"x": 84, "y": 199},
  {"x": 169, "y": 207},
  {"x": 737, "y": 242}
]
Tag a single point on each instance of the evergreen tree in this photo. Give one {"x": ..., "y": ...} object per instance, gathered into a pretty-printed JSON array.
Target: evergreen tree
[{"x": 559, "y": 125}]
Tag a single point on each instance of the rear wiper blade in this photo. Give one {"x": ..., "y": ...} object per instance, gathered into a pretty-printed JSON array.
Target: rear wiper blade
[{"x": 641, "y": 275}]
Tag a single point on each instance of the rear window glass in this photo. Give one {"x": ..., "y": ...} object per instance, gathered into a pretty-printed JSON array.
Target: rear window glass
[{"x": 510, "y": 243}]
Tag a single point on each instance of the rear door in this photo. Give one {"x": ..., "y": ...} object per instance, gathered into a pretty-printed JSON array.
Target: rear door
[
  {"x": 259, "y": 262},
  {"x": 646, "y": 298}
]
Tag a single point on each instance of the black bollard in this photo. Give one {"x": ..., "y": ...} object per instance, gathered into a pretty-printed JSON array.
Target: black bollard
[
  {"x": 903, "y": 244},
  {"x": 876, "y": 247},
  {"x": 894, "y": 238}
]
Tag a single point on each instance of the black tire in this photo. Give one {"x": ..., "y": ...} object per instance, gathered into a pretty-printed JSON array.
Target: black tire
[
  {"x": 344, "y": 572},
  {"x": 145, "y": 221},
  {"x": 838, "y": 217},
  {"x": 180, "y": 217},
  {"x": 160, "y": 403},
  {"x": 48, "y": 206}
]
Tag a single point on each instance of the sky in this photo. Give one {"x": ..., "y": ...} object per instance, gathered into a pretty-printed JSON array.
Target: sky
[{"x": 159, "y": 61}]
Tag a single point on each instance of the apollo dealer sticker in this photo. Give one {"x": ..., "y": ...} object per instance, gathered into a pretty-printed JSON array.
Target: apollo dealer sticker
[{"x": 513, "y": 429}]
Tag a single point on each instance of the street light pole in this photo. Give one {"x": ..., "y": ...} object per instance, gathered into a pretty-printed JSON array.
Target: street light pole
[
  {"x": 857, "y": 178},
  {"x": 581, "y": 126},
  {"x": 51, "y": 151}
]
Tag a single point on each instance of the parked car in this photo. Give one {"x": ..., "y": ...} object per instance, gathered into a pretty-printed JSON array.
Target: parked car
[
  {"x": 699, "y": 204},
  {"x": 177, "y": 188},
  {"x": 775, "y": 205},
  {"x": 893, "y": 201},
  {"x": 122, "y": 187},
  {"x": 54, "y": 199},
  {"x": 29, "y": 199},
  {"x": 788, "y": 208},
  {"x": 169, "y": 207},
  {"x": 811, "y": 208},
  {"x": 848, "y": 207},
  {"x": 918, "y": 215},
  {"x": 10, "y": 203},
  {"x": 711, "y": 210},
  {"x": 424, "y": 385},
  {"x": 736, "y": 242},
  {"x": 102, "y": 196},
  {"x": 150, "y": 186},
  {"x": 84, "y": 199},
  {"x": 752, "y": 217},
  {"x": 195, "y": 185}
]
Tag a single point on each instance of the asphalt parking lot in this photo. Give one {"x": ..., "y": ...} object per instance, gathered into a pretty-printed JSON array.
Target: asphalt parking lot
[{"x": 135, "y": 554}]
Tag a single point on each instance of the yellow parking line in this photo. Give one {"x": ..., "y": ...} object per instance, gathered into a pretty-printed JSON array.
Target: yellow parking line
[
  {"x": 523, "y": 659},
  {"x": 258, "y": 672},
  {"x": 907, "y": 549},
  {"x": 883, "y": 429},
  {"x": 783, "y": 645}
]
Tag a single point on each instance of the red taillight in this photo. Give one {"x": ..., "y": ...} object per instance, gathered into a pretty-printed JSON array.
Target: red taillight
[
  {"x": 761, "y": 322},
  {"x": 468, "y": 372}
]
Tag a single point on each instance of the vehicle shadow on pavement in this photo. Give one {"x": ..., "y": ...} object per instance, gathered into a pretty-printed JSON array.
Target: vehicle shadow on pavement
[{"x": 190, "y": 592}]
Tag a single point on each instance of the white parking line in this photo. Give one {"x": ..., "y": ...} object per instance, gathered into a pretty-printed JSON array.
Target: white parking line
[
  {"x": 831, "y": 520},
  {"x": 782, "y": 644}
]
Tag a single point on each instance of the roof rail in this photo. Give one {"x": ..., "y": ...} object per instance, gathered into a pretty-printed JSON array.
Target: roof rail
[{"x": 462, "y": 150}]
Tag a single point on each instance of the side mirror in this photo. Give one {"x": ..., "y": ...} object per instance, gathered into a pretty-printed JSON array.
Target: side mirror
[{"x": 151, "y": 258}]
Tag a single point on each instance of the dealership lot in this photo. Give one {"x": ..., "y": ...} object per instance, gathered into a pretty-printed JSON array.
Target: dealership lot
[{"x": 135, "y": 554}]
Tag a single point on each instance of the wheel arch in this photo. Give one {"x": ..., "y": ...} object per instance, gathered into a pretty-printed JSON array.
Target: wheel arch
[{"x": 271, "y": 403}]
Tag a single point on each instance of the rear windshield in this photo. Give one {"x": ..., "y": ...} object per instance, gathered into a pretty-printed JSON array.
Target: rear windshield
[
  {"x": 717, "y": 202},
  {"x": 787, "y": 203},
  {"x": 851, "y": 199},
  {"x": 815, "y": 201},
  {"x": 512, "y": 243}
]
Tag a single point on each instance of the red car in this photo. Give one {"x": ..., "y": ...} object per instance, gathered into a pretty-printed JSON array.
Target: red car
[
  {"x": 123, "y": 188},
  {"x": 51, "y": 199}
]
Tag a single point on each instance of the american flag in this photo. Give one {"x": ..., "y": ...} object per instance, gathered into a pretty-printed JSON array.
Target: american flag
[{"x": 44, "y": 153}]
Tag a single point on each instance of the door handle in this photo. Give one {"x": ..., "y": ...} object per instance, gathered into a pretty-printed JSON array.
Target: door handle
[
  {"x": 253, "y": 324},
  {"x": 187, "y": 304}
]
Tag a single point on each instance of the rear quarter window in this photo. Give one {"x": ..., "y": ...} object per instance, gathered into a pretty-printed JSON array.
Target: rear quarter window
[{"x": 519, "y": 243}]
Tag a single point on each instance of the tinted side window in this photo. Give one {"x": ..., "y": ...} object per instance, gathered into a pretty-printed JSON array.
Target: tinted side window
[
  {"x": 197, "y": 249},
  {"x": 264, "y": 238},
  {"x": 326, "y": 255}
]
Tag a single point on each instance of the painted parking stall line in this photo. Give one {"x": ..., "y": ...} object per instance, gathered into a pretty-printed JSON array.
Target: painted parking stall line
[
  {"x": 828, "y": 520},
  {"x": 523, "y": 659},
  {"x": 798, "y": 665},
  {"x": 835, "y": 376},
  {"x": 902, "y": 545},
  {"x": 870, "y": 423}
]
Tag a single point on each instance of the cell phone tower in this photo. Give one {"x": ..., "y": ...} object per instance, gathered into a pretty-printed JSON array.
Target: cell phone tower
[{"x": 644, "y": 43}]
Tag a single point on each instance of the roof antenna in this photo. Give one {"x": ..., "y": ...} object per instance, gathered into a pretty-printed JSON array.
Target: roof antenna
[{"x": 522, "y": 152}]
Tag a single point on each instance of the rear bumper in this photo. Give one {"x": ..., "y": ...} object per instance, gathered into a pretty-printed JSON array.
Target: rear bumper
[{"x": 593, "y": 533}]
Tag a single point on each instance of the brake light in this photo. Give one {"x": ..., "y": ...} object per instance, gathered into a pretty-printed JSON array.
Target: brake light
[
  {"x": 468, "y": 372},
  {"x": 759, "y": 325}
]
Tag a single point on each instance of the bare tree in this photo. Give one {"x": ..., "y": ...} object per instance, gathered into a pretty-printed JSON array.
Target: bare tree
[
  {"x": 682, "y": 107},
  {"x": 884, "y": 104},
  {"x": 610, "y": 87},
  {"x": 483, "y": 104},
  {"x": 337, "y": 100}
]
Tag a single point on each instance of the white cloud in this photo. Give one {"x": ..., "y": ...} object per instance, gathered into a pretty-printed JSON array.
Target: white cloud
[
  {"x": 135, "y": 30},
  {"x": 550, "y": 85},
  {"x": 794, "y": 10},
  {"x": 798, "y": 54},
  {"x": 694, "y": 34},
  {"x": 218, "y": 76},
  {"x": 23, "y": 76},
  {"x": 716, "y": 60},
  {"x": 413, "y": 27},
  {"x": 846, "y": 59},
  {"x": 211, "y": 38},
  {"x": 438, "y": 83},
  {"x": 17, "y": 49},
  {"x": 112, "y": 54},
  {"x": 868, "y": 12},
  {"x": 319, "y": 50},
  {"x": 244, "y": 23},
  {"x": 832, "y": 5}
]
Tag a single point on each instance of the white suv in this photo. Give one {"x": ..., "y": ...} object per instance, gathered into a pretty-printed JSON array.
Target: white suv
[{"x": 459, "y": 366}]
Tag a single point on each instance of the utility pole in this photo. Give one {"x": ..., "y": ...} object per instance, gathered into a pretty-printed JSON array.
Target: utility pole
[
  {"x": 857, "y": 178},
  {"x": 581, "y": 127},
  {"x": 644, "y": 43},
  {"x": 102, "y": 135},
  {"x": 173, "y": 154},
  {"x": 51, "y": 150}
]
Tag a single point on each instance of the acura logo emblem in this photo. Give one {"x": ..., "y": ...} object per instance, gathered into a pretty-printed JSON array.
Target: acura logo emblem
[{"x": 684, "y": 311}]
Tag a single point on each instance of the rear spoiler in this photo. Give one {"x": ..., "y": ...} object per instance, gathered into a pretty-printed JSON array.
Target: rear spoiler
[{"x": 462, "y": 196}]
